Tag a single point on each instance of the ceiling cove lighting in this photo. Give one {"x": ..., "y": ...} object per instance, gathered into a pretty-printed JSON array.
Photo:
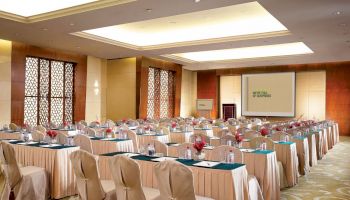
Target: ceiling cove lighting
[
  {"x": 287, "y": 49},
  {"x": 27, "y": 8},
  {"x": 219, "y": 24}
]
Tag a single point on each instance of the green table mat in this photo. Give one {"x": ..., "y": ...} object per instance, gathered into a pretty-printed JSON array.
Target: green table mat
[
  {"x": 114, "y": 140},
  {"x": 288, "y": 143},
  {"x": 263, "y": 151},
  {"x": 38, "y": 145}
]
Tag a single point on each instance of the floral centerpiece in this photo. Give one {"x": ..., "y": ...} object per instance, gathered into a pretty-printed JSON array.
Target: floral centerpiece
[
  {"x": 52, "y": 135},
  {"x": 239, "y": 139},
  {"x": 65, "y": 124},
  {"x": 199, "y": 144},
  {"x": 264, "y": 132},
  {"x": 109, "y": 132},
  {"x": 173, "y": 126}
]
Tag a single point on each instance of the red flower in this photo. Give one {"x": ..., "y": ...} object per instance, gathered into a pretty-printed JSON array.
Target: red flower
[
  {"x": 264, "y": 131},
  {"x": 124, "y": 120},
  {"x": 278, "y": 129},
  {"x": 65, "y": 123},
  {"x": 108, "y": 130},
  {"x": 96, "y": 122},
  {"x": 199, "y": 145},
  {"x": 290, "y": 126},
  {"x": 238, "y": 138},
  {"x": 173, "y": 125},
  {"x": 297, "y": 124},
  {"x": 194, "y": 123},
  {"x": 52, "y": 134}
]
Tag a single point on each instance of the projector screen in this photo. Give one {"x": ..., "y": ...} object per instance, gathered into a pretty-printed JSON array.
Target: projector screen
[{"x": 268, "y": 94}]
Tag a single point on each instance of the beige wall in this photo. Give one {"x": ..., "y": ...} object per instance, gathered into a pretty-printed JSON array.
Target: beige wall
[
  {"x": 188, "y": 93},
  {"x": 96, "y": 89},
  {"x": 230, "y": 92},
  {"x": 310, "y": 94},
  {"x": 5, "y": 81},
  {"x": 121, "y": 90}
]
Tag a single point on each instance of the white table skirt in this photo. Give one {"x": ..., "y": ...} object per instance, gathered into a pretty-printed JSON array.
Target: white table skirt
[{"x": 105, "y": 146}]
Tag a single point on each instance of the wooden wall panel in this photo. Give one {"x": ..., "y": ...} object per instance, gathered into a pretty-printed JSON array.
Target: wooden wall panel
[
  {"x": 19, "y": 53},
  {"x": 337, "y": 86},
  {"x": 142, "y": 65},
  {"x": 208, "y": 88}
]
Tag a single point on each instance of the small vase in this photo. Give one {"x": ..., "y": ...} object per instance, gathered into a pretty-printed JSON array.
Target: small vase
[{"x": 199, "y": 156}]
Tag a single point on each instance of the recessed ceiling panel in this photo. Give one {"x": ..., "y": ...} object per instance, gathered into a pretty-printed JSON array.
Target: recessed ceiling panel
[
  {"x": 286, "y": 49},
  {"x": 28, "y": 8},
  {"x": 239, "y": 20}
]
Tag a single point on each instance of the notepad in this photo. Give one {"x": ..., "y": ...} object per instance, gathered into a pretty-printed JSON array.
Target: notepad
[
  {"x": 130, "y": 154},
  {"x": 48, "y": 146},
  {"x": 247, "y": 150},
  {"x": 163, "y": 159},
  {"x": 25, "y": 143},
  {"x": 208, "y": 164}
]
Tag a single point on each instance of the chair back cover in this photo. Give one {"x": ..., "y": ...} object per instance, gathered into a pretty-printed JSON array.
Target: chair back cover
[
  {"x": 160, "y": 147},
  {"x": 258, "y": 140},
  {"x": 202, "y": 135},
  {"x": 250, "y": 134},
  {"x": 223, "y": 132},
  {"x": 218, "y": 153},
  {"x": 83, "y": 142},
  {"x": 90, "y": 131},
  {"x": 175, "y": 180},
  {"x": 41, "y": 128},
  {"x": 37, "y": 135},
  {"x": 127, "y": 179},
  {"x": 13, "y": 126},
  {"x": 278, "y": 135},
  {"x": 135, "y": 141},
  {"x": 86, "y": 172},
  {"x": 224, "y": 139},
  {"x": 61, "y": 138},
  {"x": 181, "y": 150},
  {"x": 10, "y": 165},
  {"x": 83, "y": 122}
]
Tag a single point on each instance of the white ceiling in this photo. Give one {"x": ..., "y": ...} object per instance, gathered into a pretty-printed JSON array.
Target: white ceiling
[{"x": 314, "y": 22}]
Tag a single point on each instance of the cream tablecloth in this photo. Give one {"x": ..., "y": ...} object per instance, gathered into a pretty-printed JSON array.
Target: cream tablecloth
[
  {"x": 56, "y": 162},
  {"x": 215, "y": 183},
  {"x": 319, "y": 143},
  {"x": 147, "y": 138},
  {"x": 311, "y": 138},
  {"x": 303, "y": 154},
  {"x": 287, "y": 155},
  {"x": 208, "y": 132},
  {"x": 5, "y": 135},
  {"x": 105, "y": 146}
]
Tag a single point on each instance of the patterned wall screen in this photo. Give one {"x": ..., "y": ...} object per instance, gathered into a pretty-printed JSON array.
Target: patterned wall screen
[
  {"x": 161, "y": 93},
  {"x": 49, "y": 91}
]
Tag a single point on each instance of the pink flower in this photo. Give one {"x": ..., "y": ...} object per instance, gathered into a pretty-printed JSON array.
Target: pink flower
[
  {"x": 173, "y": 125},
  {"x": 238, "y": 138},
  {"x": 52, "y": 134}
]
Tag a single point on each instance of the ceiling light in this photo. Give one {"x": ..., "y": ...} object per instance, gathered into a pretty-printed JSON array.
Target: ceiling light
[
  {"x": 45, "y": 29},
  {"x": 337, "y": 13},
  {"x": 149, "y": 10},
  {"x": 196, "y": 1},
  {"x": 237, "y": 21},
  {"x": 71, "y": 24},
  {"x": 30, "y": 8},
  {"x": 286, "y": 49}
]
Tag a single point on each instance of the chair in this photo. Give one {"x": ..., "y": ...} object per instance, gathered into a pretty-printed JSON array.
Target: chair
[
  {"x": 160, "y": 147},
  {"x": 250, "y": 134},
  {"x": 127, "y": 179},
  {"x": 83, "y": 122},
  {"x": 89, "y": 185},
  {"x": 175, "y": 181},
  {"x": 135, "y": 141},
  {"x": 218, "y": 154},
  {"x": 13, "y": 127},
  {"x": 110, "y": 123},
  {"x": 41, "y": 128},
  {"x": 94, "y": 124},
  {"x": 30, "y": 183},
  {"x": 278, "y": 136},
  {"x": 226, "y": 138},
  {"x": 37, "y": 136},
  {"x": 183, "y": 147},
  {"x": 223, "y": 132},
  {"x": 271, "y": 146},
  {"x": 202, "y": 135},
  {"x": 90, "y": 132},
  {"x": 84, "y": 142},
  {"x": 61, "y": 138}
]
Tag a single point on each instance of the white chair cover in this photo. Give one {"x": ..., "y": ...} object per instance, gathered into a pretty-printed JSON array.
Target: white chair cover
[
  {"x": 226, "y": 138},
  {"x": 37, "y": 136},
  {"x": 90, "y": 131},
  {"x": 127, "y": 179},
  {"x": 135, "y": 141},
  {"x": 41, "y": 129},
  {"x": 181, "y": 150},
  {"x": 89, "y": 185},
  {"x": 202, "y": 135},
  {"x": 269, "y": 143},
  {"x": 250, "y": 134},
  {"x": 218, "y": 153},
  {"x": 278, "y": 135},
  {"x": 13, "y": 126},
  {"x": 160, "y": 147},
  {"x": 175, "y": 181},
  {"x": 29, "y": 183},
  {"x": 83, "y": 142},
  {"x": 61, "y": 138}
]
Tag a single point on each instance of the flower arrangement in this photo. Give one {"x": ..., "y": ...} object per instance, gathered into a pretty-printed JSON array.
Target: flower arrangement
[
  {"x": 96, "y": 122},
  {"x": 65, "y": 124},
  {"x": 264, "y": 131},
  {"x": 238, "y": 138},
  {"x": 278, "y": 128},
  {"x": 108, "y": 130},
  {"x": 194, "y": 123},
  {"x": 199, "y": 144},
  {"x": 173, "y": 125},
  {"x": 124, "y": 120},
  {"x": 52, "y": 134}
]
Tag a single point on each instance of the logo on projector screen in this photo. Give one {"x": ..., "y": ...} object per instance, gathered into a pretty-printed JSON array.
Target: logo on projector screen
[{"x": 259, "y": 94}]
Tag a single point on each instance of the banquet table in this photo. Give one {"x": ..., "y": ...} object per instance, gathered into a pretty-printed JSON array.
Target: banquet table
[
  {"x": 261, "y": 164},
  {"x": 221, "y": 182},
  {"x": 180, "y": 136},
  {"x": 303, "y": 153},
  {"x": 319, "y": 143},
  {"x": 108, "y": 145},
  {"x": 55, "y": 160},
  {"x": 311, "y": 138},
  {"x": 325, "y": 141},
  {"x": 67, "y": 132},
  {"x": 145, "y": 139}
]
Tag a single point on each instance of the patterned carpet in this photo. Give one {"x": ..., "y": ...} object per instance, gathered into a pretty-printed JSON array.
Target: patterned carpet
[{"x": 330, "y": 179}]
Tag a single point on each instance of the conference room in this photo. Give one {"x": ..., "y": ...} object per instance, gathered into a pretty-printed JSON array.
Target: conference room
[{"x": 181, "y": 100}]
